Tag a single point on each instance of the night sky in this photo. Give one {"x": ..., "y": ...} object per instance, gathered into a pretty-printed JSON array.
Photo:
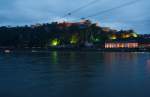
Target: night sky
[{"x": 22, "y": 12}]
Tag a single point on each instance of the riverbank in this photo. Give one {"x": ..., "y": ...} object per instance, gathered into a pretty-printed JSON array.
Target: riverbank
[{"x": 9, "y": 50}]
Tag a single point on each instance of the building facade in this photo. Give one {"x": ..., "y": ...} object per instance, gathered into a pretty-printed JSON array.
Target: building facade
[{"x": 121, "y": 44}]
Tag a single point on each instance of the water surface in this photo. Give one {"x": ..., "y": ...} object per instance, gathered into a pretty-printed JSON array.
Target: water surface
[{"x": 74, "y": 74}]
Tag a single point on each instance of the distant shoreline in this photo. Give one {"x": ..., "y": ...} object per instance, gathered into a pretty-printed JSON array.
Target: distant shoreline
[{"x": 74, "y": 49}]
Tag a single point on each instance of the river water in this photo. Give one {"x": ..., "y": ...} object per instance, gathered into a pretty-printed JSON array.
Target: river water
[{"x": 74, "y": 74}]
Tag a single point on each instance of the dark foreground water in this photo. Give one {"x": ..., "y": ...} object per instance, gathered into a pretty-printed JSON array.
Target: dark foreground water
[{"x": 74, "y": 74}]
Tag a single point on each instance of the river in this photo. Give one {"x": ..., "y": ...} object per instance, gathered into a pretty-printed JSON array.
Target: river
[{"x": 74, "y": 74}]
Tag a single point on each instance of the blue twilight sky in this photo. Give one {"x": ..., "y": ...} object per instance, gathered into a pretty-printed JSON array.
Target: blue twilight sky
[{"x": 21, "y": 12}]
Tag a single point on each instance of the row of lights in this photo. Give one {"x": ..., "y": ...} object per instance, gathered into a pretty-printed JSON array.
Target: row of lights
[
  {"x": 121, "y": 45},
  {"x": 124, "y": 36}
]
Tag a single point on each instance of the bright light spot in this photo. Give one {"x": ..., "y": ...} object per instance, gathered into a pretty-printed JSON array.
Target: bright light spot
[
  {"x": 126, "y": 35},
  {"x": 113, "y": 37},
  {"x": 96, "y": 39},
  {"x": 74, "y": 39},
  {"x": 55, "y": 42},
  {"x": 134, "y": 35}
]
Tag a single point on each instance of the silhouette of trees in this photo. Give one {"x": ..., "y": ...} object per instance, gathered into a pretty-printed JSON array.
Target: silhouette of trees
[{"x": 41, "y": 35}]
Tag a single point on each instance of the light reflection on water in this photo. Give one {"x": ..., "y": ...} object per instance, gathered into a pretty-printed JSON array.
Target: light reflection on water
[{"x": 75, "y": 74}]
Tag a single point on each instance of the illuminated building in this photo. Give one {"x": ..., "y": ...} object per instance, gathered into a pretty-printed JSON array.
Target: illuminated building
[
  {"x": 129, "y": 35},
  {"x": 122, "y": 44},
  {"x": 81, "y": 23}
]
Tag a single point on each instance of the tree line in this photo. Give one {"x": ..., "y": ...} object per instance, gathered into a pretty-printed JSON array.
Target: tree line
[{"x": 54, "y": 34}]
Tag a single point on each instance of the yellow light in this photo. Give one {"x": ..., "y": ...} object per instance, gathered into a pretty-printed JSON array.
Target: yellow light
[
  {"x": 55, "y": 42},
  {"x": 126, "y": 35},
  {"x": 74, "y": 39},
  {"x": 134, "y": 35},
  {"x": 113, "y": 37}
]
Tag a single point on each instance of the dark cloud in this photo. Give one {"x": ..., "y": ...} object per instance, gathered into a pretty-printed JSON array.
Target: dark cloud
[{"x": 15, "y": 12}]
